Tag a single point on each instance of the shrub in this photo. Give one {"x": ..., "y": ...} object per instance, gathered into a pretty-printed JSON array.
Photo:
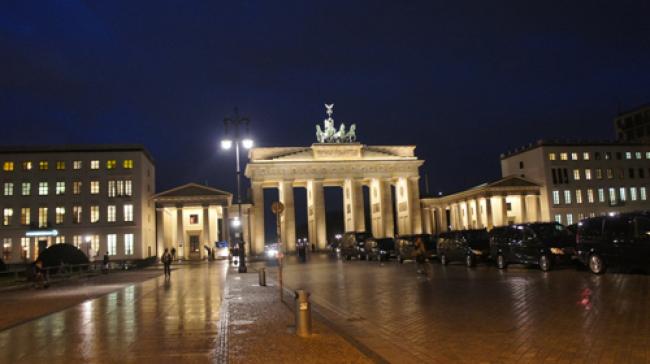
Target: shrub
[{"x": 66, "y": 253}]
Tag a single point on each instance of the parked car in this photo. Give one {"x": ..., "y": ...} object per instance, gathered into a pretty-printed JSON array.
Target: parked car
[
  {"x": 468, "y": 246},
  {"x": 622, "y": 240},
  {"x": 353, "y": 245},
  {"x": 405, "y": 246},
  {"x": 542, "y": 244},
  {"x": 380, "y": 249}
]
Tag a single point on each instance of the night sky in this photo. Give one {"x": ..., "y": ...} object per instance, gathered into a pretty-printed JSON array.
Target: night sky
[{"x": 462, "y": 80}]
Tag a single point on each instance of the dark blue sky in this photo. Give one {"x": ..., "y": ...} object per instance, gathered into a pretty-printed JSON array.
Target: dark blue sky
[{"x": 463, "y": 80}]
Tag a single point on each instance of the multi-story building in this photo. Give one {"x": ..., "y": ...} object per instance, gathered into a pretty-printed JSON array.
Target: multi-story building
[
  {"x": 580, "y": 180},
  {"x": 634, "y": 125},
  {"x": 96, "y": 197}
]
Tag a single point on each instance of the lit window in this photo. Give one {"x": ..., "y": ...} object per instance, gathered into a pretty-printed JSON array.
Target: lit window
[
  {"x": 642, "y": 193},
  {"x": 610, "y": 174},
  {"x": 24, "y": 246},
  {"x": 551, "y": 156},
  {"x": 25, "y": 216},
  {"x": 587, "y": 174},
  {"x": 581, "y": 216},
  {"x": 6, "y": 249},
  {"x": 578, "y": 196},
  {"x": 60, "y": 215},
  {"x": 43, "y": 165},
  {"x": 77, "y": 164},
  {"x": 574, "y": 156},
  {"x": 569, "y": 219},
  {"x": 43, "y": 188},
  {"x": 586, "y": 156},
  {"x": 567, "y": 197},
  {"x": 60, "y": 165},
  {"x": 601, "y": 195},
  {"x": 8, "y": 166},
  {"x": 7, "y": 214},
  {"x": 76, "y": 241},
  {"x": 628, "y": 155},
  {"x": 647, "y": 155},
  {"x": 558, "y": 218},
  {"x": 76, "y": 187},
  {"x": 599, "y": 173},
  {"x": 60, "y": 188},
  {"x": 638, "y": 155},
  {"x": 592, "y": 214},
  {"x": 27, "y": 165},
  {"x": 94, "y": 187},
  {"x": 9, "y": 189},
  {"x": 59, "y": 239},
  {"x": 76, "y": 214},
  {"x": 94, "y": 214},
  {"x": 564, "y": 156},
  {"x": 94, "y": 245},
  {"x": 608, "y": 155},
  {"x": 26, "y": 188},
  {"x": 94, "y": 164},
  {"x": 128, "y": 163},
  {"x": 612, "y": 196},
  {"x": 576, "y": 175},
  {"x": 128, "y": 244},
  {"x": 590, "y": 195},
  {"x": 633, "y": 193},
  {"x": 110, "y": 213},
  {"x": 42, "y": 217},
  {"x": 111, "y": 189},
  {"x": 128, "y": 188},
  {"x": 128, "y": 212},
  {"x": 556, "y": 197},
  {"x": 111, "y": 163},
  {"x": 621, "y": 193},
  {"x": 111, "y": 240}
]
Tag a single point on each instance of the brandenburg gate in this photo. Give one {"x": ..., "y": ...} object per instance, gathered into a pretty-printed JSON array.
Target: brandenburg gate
[{"x": 337, "y": 160}]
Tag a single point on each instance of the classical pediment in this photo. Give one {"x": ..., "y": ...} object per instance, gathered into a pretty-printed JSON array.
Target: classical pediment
[
  {"x": 513, "y": 181},
  {"x": 192, "y": 190}
]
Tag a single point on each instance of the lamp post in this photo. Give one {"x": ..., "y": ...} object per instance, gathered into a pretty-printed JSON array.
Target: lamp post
[{"x": 234, "y": 135}]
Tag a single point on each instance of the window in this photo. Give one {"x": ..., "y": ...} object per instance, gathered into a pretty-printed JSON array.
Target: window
[
  {"x": 7, "y": 214},
  {"x": 608, "y": 155},
  {"x": 6, "y": 249},
  {"x": 128, "y": 188},
  {"x": 581, "y": 216},
  {"x": 590, "y": 195},
  {"x": 628, "y": 155},
  {"x": 120, "y": 188},
  {"x": 521, "y": 165},
  {"x": 60, "y": 165},
  {"x": 9, "y": 189},
  {"x": 60, "y": 188},
  {"x": 576, "y": 175},
  {"x": 601, "y": 195},
  {"x": 111, "y": 189},
  {"x": 26, "y": 188},
  {"x": 43, "y": 165},
  {"x": 60, "y": 215},
  {"x": 76, "y": 241},
  {"x": 637, "y": 155},
  {"x": 610, "y": 174},
  {"x": 630, "y": 173},
  {"x": 76, "y": 187},
  {"x": 647, "y": 155},
  {"x": 556, "y": 197},
  {"x": 128, "y": 244},
  {"x": 76, "y": 214},
  {"x": 110, "y": 213},
  {"x": 578, "y": 196},
  {"x": 599, "y": 173},
  {"x": 128, "y": 164},
  {"x": 569, "y": 219},
  {"x": 194, "y": 219},
  {"x": 597, "y": 156},
  {"x": 94, "y": 245},
  {"x": 94, "y": 214},
  {"x": 42, "y": 217},
  {"x": 564, "y": 156},
  {"x": 612, "y": 196},
  {"x": 551, "y": 156},
  {"x": 641, "y": 173},
  {"x": 128, "y": 212},
  {"x": 585, "y": 156},
  {"x": 111, "y": 240},
  {"x": 110, "y": 164},
  {"x": 77, "y": 164},
  {"x": 8, "y": 166},
  {"x": 59, "y": 239},
  {"x": 587, "y": 174},
  {"x": 558, "y": 218},
  {"x": 94, "y": 164},
  {"x": 567, "y": 197},
  {"x": 621, "y": 194},
  {"x": 633, "y": 193},
  {"x": 574, "y": 156},
  {"x": 24, "y": 247},
  {"x": 42, "y": 188},
  {"x": 94, "y": 187},
  {"x": 27, "y": 165},
  {"x": 642, "y": 193},
  {"x": 25, "y": 216}
]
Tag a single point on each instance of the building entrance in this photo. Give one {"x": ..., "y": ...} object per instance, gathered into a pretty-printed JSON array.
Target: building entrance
[{"x": 195, "y": 247}]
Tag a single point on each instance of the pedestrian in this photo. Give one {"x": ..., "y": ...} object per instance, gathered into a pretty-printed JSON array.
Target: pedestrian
[
  {"x": 302, "y": 252},
  {"x": 105, "y": 264},
  {"x": 313, "y": 247},
  {"x": 420, "y": 255},
  {"x": 173, "y": 253},
  {"x": 167, "y": 262}
]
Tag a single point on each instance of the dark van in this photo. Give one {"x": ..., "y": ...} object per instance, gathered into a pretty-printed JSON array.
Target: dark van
[
  {"x": 353, "y": 245},
  {"x": 468, "y": 246},
  {"x": 405, "y": 246},
  {"x": 542, "y": 244},
  {"x": 621, "y": 240},
  {"x": 380, "y": 249}
]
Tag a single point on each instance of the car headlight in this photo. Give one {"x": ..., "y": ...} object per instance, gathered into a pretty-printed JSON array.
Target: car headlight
[
  {"x": 557, "y": 251},
  {"x": 477, "y": 252},
  {"x": 272, "y": 253}
]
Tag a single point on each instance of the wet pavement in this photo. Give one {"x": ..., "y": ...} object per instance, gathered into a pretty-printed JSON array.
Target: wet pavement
[
  {"x": 163, "y": 321},
  {"x": 481, "y": 315}
]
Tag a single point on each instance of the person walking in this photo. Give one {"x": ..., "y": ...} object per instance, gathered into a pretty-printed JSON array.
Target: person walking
[
  {"x": 167, "y": 262},
  {"x": 105, "y": 263},
  {"x": 420, "y": 255},
  {"x": 173, "y": 253}
]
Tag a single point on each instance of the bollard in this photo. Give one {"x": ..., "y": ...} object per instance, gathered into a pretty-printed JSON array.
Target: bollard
[
  {"x": 262, "y": 276},
  {"x": 303, "y": 313}
]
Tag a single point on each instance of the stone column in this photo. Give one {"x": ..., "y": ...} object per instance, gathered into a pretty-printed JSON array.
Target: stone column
[
  {"x": 428, "y": 216},
  {"x": 258, "y": 220},
  {"x": 316, "y": 214},
  {"x": 504, "y": 211},
  {"x": 226, "y": 223},
  {"x": 489, "y": 218},
  {"x": 521, "y": 214},
  {"x": 382, "y": 209},
  {"x": 160, "y": 232},
  {"x": 453, "y": 214},
  {"x": 414, "y": 205},
  {"x": 288, "y": 220},
  {"x": 353, "y": 205},
  {"x": 444, "y": 224},
  {"x": 180, "y": 232},
  {"x": 206, "y": 231},
  {"x": 538, "y": 207}
]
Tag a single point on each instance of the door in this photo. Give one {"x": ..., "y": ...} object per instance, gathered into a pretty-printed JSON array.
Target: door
[{"x": 195, "y": 247}]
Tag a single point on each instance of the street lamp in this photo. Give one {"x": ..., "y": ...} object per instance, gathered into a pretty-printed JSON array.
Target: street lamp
[{"x": 233, "y": 135}]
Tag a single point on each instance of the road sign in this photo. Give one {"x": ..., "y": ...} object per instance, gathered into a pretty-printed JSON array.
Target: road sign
[{"x": 277, "y": 207}]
